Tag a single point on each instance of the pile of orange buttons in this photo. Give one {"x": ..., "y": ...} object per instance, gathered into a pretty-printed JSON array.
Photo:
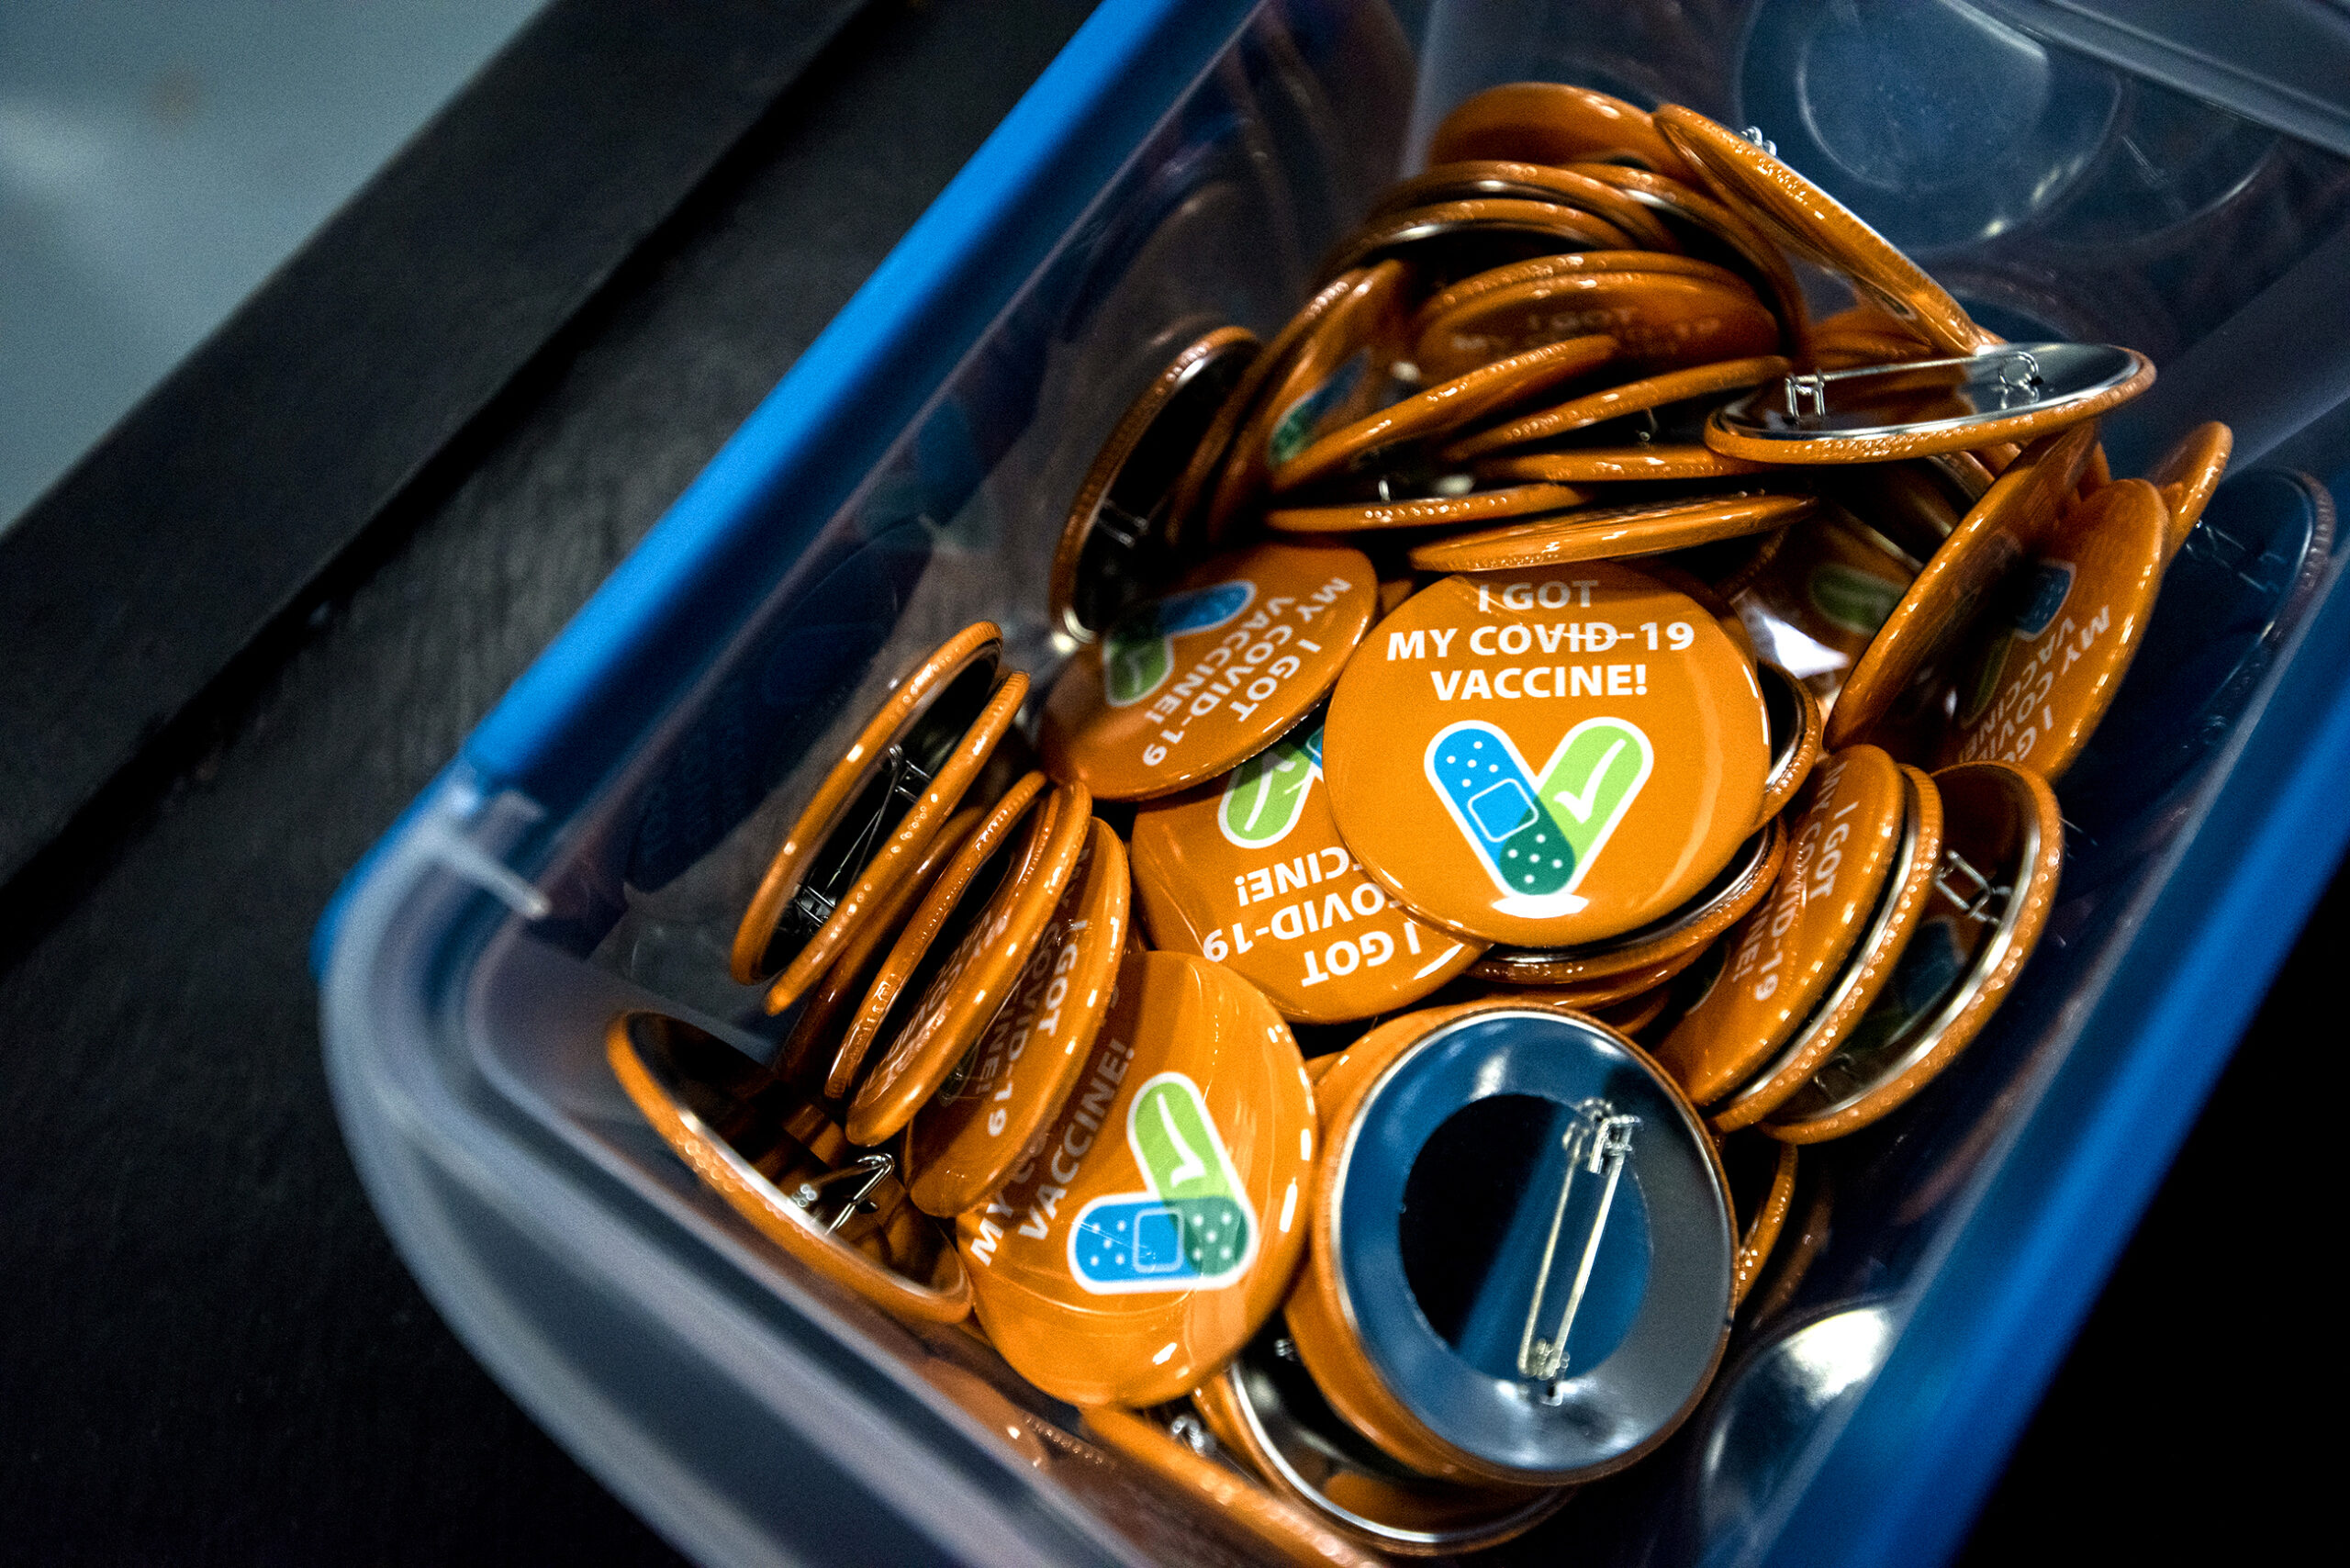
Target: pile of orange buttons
[{"x": 1611, "y": 712}]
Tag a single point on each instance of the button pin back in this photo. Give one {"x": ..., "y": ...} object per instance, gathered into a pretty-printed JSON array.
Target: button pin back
[
  {"x": 1522, "y": 1255},
  {"x": 1121, "y": 538},
  {"x": 872, "y": 815},
  {"x": 783, "y": 1166},
  {"x": 1249, "y": 871}
]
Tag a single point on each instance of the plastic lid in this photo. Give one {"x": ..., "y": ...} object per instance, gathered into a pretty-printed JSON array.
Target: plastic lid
[
  {"x": 1522, "y": 1255},
  {"x": 1161, "y": 1222},
  {"x": 1651, "y": 758},
  {"x": 1188, "y": 684},
  {"x": 1250, "y": 871}
]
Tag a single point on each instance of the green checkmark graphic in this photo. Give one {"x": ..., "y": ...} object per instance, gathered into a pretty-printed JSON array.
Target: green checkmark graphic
[
  {"x": 1191, "y": 1228},
  {"x": 1538, "y": 837},
  {"x": 1265, "y": 795}
]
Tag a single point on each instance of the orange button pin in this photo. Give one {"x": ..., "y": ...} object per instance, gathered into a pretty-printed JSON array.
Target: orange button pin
[
  {"x": 1468, "y": 508},
  {"x": 2002, "y": 849},
  {"x": 1188, "y": 685},
  {"x": 784, "y": 1167},
  {"x": 1663, "y": 321},
  {"x": 2048, "y": 659},
  {"x": 1162, "y": 1220},
  {"x": 1610, "y": 533},
  {"x": 1550, "y": 758},
  {"x": 1481, "y": 178},
  {"x": 1708, "y": 226},
  {"x": 1264, "y": 1410},
  {"x": 963, "y": 979},
  {"x": 1791, "y": 949},
  {"x": 1644, "y": 396},
  {"x": 1550, "y": 122},
  {"x": 2188, "y": 475},
  {"x": 1808, "y": 222},
  {"x": 1119, "y": 536},
  {"x": 807, "y": 1055},
  {"x": 875, "y": 811},
  {"x": 1012, "y": 832},
  {"x": 1489, "y": 387},
  {"x": 1449, "y": 240},
  {"x": 970, "y": 1133},
  {"x": 1325, "y": 368},
  {"x": 1734, "y": 890},
  {"x": 2003, "y": 528},
  {"x": 1867, "y": 968},
  {"x": 1249, "y": 871}
]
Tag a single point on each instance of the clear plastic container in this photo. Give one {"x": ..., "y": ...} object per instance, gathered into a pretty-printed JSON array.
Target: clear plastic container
[{"x": 1183, "y": 164}]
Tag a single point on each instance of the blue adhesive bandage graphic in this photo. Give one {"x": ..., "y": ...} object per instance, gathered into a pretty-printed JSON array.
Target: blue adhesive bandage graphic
[
  {"x": 1538, "y": 837},
  {"x": 1193, "y": 1229},
  {"x": 1140, "y": 653}
]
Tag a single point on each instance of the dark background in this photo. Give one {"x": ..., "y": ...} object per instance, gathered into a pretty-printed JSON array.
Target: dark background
[{"x": 208, "y": 1350}]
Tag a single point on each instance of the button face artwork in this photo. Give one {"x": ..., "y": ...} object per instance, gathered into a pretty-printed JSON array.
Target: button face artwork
[
  {"x": 1608, "y": 718},
  {"x": 1250, "y": 871},
  {"x": 1158, "y": 1221},
  {"x": 1595, "y": 739},
  {"x": 2051, "y": 656},
  {"x": 1189, "y": 684}
]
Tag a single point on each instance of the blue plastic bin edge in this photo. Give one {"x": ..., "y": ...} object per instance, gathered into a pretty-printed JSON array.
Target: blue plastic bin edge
[
  {"x": 1931, "y": 1434},
  {"x": 642, "y": 635},
  {"x": 631, "y": 648}
]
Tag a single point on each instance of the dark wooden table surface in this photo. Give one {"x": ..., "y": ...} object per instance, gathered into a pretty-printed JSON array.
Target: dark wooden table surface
[{"x": 208, "y": 1350}]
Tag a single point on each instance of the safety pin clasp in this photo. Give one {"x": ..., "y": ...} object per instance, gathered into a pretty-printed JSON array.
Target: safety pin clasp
[
  {"x": 860, "y": 1175},
  {"x": 1982, "y": 902},
  {"x": 2020, "y": 380},
  {"x": 1597, "y": 1143}
]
